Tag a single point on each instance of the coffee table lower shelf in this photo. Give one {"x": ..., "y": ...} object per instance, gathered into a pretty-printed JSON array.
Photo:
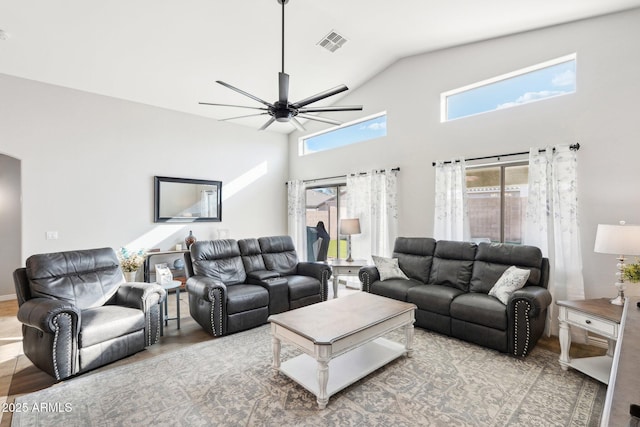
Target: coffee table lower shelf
[{"x": 345, "y": 369}]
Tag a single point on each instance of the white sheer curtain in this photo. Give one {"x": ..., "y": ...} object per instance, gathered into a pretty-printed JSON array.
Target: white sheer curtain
[
  {"x": 372, "y": 198},
  {"x": 296, "y": 209},
  {"x": 451, "y": 220},
  {"x": 552, "y": 223}
]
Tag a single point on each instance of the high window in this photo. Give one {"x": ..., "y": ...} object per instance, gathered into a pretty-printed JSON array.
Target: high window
[
  {"x": 328, "y": 204},
  {"x": 497, "y": 202},
  {"x": 541, "y": 81},
  {"x": 348, "y": 133}
]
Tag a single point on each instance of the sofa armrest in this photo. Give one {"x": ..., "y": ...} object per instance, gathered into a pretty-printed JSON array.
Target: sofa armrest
[
  {"x": 538, "y": 298},
  {"x": 206, "y": 288},
  {"x": 368, "y": 275},
  {"x": 318, "y": 270},
  {"x": 140, "y": 295},
  {"x": 42, "y": 313}
]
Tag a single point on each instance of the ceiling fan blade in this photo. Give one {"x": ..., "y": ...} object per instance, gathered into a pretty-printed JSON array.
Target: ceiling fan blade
[
  {"x": 319, "y": 119},
  {"x": 255, "y": 98},
  {"x": 334, "y": 108},
  {"x": 297, "y": 124},
  {"x": 283, "y": 88},
  {"x": 232, "y": 105},
  {"x": 242, "y": 117},
  {"x": 266, "y": 125},
  {"x": 322, "y": 95}
]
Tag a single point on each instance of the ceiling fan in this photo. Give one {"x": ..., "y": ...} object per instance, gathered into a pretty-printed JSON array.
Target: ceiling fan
[{"x": 284, "y": 111}]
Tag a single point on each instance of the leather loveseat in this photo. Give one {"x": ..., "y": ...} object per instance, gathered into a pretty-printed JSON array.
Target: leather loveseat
[
  {"x": 235, "y": 285},
  {"x": 449, "y": 283},
  {"x": 78, "y": 313}
]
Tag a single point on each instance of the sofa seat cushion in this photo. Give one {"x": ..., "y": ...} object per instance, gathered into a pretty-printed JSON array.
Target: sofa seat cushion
[
  {"x": 302, "y": 286},
  {"x": 104, "y": 323},
  {"x": 246, "y": 297},
  {"x": 433, "y": 298},
  {"x": 394, "y": 288},
  {"x": 480, "y": 309}
]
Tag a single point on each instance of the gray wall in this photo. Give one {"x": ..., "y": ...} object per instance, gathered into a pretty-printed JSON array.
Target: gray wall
[
  {"x": 88, "y": 163},
  {"x": 10, "y": 219},
  {"x": 602, "y": 116}
]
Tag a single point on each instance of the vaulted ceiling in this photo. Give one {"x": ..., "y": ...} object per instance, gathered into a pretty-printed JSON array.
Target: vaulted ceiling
[{"x": 169, "y": 53}]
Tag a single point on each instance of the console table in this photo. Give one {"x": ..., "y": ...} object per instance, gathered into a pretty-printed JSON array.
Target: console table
[{"x": 595, "y": 315}]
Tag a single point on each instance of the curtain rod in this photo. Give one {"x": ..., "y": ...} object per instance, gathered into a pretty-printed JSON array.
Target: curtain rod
[
  {"x": 344, "y": 176},
  {"x": 575, "y": 147}
]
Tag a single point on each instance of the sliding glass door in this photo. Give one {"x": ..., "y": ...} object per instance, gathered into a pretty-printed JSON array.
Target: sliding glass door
[{"x": 327, "y": 204}]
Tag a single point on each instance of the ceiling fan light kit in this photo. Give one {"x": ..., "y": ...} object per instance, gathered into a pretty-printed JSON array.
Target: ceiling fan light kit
[{"x": 284, "y": 111}]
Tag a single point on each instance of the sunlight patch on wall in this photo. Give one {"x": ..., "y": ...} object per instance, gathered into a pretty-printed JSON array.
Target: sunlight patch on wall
[{"x": 164, "y": 231}]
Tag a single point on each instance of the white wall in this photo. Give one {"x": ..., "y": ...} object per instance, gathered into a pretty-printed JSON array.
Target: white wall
[
  {"x": 88, "y": 163},
  {"x": 602, "y": 116}
]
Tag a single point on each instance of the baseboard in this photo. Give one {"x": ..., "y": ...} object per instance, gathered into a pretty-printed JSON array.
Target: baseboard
[{"x": 8, "y": 297}]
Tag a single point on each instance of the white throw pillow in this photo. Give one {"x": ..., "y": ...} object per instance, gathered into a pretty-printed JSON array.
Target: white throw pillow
[
  {"x": 511, "y": 280},
  {"x": 388, "y": 268}
]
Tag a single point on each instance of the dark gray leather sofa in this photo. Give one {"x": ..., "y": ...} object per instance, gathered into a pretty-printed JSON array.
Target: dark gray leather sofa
[
  {"x": 449, "y": 283},
  {"x": 235, "y": 285},
  {"x": 78, "y": 313}
]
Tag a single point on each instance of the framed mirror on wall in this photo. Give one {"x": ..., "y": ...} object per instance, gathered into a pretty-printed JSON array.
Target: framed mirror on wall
[{"x": 187, "y": 200}]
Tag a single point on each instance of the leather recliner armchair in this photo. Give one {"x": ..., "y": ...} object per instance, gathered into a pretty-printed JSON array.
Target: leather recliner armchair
[{"x": 78, "y": 313}]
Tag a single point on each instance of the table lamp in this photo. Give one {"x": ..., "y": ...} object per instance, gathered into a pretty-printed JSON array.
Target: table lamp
[
  {"x": 348, "y": 227},
  {"x": 620, "y": 240}
]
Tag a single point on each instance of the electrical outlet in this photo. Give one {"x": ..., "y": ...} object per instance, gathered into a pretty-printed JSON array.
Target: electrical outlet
[{"x": 52, "y": 235}]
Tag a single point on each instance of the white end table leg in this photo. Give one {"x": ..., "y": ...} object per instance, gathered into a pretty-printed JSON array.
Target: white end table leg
[
  {"x": 335, "y": 286},
  {"x": 408, "y": 335},
  {"x": 565, "y": 344}
]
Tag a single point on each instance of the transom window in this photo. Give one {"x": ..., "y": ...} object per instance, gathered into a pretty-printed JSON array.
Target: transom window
[
  {"x": 348, "y": 133},
  {"x": 541, "y": 81}
]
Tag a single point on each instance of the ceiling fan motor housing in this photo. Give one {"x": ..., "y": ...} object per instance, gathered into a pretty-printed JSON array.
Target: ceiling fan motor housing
[{"x": 282, "y": 112}]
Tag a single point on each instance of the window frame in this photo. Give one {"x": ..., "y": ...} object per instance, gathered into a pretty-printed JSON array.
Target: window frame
[
  {"x": 444, "y": 96},
  {"x": 339, "y": 202},
  {"x": 302, "y": 140}
]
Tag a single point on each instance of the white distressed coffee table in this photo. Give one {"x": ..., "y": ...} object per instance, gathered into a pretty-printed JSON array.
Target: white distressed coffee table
[{"x": 341, "y": 340}]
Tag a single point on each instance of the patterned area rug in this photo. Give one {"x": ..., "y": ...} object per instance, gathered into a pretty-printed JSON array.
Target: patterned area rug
[{"x": 228, "y": 381}]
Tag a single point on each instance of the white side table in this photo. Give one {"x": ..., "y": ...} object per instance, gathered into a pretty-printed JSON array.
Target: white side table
[
  {"x": 164, "y": 315},
  {"x": 595, "y": 315},
  {"x": 341, "y": 267}
]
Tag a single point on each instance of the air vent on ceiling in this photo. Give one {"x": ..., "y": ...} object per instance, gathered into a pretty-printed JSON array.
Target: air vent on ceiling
[{"x": 332, "y": 41}]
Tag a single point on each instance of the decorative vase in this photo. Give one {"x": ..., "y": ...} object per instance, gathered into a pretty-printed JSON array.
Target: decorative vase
[
  {"x": 190, "y": 239},
  {"x": 130, "y": 276}
]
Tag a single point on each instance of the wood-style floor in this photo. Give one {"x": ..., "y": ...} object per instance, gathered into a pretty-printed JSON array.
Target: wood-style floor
[{"x": 18, "y": 376}]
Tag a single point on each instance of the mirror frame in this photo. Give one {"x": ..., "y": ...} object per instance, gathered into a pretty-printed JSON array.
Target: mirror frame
[{"x": 157, "y": 182}]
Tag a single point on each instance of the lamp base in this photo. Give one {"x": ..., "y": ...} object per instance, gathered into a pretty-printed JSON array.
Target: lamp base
[{"x": 619, "y": 300}]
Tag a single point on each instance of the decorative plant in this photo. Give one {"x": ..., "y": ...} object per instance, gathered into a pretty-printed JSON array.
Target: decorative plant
[
  {"x": 632, "y": 271},
  {"x": 130, "y": 261}
]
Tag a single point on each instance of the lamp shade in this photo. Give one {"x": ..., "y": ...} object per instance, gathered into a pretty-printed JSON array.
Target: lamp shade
[
  {"x": 618, "y": 239},
  {"x": 350, "y": 226}
]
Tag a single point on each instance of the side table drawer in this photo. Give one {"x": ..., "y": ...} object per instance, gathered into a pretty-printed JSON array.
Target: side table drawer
[
  {"x": 591, "y": 323},
  {"x": 346, "y": 271}
]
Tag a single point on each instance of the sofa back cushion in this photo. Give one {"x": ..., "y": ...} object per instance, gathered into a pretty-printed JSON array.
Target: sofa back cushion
[
  {"x": 453, "y": 264},
  {"x": 279, "y": 254},
  {"x": 218, "y": 259},
  {"x": 85, "y": 278},
  {"x": 415, "y": 256},
  {"x": 492, "y": 259},
  {"x": 251, "y": 255}
]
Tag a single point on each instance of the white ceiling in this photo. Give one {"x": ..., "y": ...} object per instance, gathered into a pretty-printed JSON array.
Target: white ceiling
[{"x": 169, "y": 53}]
